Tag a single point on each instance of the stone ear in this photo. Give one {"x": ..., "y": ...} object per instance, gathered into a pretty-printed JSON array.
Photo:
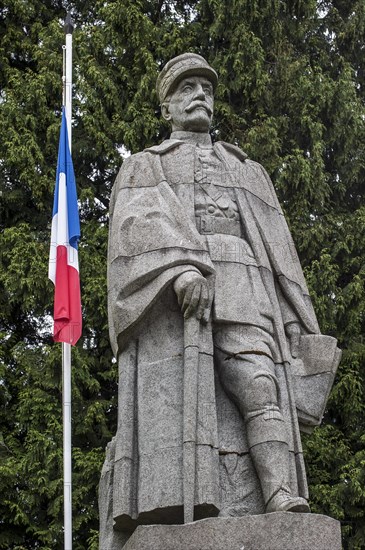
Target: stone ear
[{"x": 165, "y": 111}]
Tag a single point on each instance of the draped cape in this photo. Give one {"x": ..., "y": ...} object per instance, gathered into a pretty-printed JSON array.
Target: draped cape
[{"x": 153, "y": 239}]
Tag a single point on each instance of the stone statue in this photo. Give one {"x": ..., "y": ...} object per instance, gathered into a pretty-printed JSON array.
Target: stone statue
[{"x": 221, "y": 360}]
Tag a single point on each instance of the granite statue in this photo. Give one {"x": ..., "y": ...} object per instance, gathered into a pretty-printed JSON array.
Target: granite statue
[{"x": 221, "y": 360}]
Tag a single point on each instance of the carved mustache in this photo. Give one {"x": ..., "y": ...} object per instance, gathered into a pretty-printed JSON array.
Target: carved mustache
[{"x": 196, "y": 105}]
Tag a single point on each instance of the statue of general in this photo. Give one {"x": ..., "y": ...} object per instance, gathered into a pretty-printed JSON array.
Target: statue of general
[{"x": 221, "y": 360}]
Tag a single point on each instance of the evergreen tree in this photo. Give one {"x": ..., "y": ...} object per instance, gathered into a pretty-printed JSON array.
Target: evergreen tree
[{"x": 291, "y": 94}]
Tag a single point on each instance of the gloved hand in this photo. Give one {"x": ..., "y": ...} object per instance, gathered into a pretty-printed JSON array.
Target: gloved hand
[
  {"x": 293, "y": 332},
  {"x": 192, "y": 294}
]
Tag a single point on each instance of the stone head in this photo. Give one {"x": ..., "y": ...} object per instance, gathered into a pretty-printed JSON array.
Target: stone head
[{"x": 186, "y": 90}]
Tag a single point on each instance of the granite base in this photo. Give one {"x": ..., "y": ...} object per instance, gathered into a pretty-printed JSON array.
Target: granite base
[{"x": 276, "y": 531}]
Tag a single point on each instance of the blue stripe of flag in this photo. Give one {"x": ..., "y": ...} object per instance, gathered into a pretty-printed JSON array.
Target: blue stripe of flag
[{"x": 64, "y": 164}]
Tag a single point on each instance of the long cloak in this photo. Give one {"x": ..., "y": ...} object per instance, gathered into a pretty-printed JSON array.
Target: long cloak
[{"x": 153, "y": 239}]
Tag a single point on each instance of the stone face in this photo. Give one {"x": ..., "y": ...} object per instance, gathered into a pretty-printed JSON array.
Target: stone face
[
  {"x": 277, "y": 531},
  {"x": 221, "y": 361}
]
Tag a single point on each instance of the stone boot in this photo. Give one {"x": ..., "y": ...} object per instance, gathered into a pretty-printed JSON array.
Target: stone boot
[
  {"x": 285, "y": 502},
  {"x": 271, "y": 461}
]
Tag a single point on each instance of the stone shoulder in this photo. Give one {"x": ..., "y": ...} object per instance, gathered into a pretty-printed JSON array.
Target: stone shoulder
[
  {"x": 170, "y": 144},
  {"x": 134, "y": 172},
  {"x": 233, "y": 149}
]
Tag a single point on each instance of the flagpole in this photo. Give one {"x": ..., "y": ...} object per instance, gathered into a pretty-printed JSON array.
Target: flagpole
[
  {"x": 67, "y": 445},
  {"x": 69, "y": 27},
  {"x": 66, "y": 348}
]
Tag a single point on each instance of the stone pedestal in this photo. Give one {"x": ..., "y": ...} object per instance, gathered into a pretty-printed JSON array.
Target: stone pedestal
[{"x": 276, "y": 531}]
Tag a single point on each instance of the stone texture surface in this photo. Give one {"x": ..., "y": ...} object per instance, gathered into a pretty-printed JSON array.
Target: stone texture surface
[
  {"x": 276, "y": 531},
  {"x": 221, "y": 361}
]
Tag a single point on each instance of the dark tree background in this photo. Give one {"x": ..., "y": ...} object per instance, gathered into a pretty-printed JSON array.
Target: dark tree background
[{"x": 291, "y": 94}]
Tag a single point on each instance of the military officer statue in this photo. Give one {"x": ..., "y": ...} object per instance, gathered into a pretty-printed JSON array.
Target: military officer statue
[{"x": 196, "y": 232}]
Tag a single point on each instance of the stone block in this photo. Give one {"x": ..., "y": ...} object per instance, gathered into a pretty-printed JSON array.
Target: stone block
[{"x": 276, "y": 531}]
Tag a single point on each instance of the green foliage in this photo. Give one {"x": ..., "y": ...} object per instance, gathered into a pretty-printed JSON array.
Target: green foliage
[{"x": 291, "y": 94}]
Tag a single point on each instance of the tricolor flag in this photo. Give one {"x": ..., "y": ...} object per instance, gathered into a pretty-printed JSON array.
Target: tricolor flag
[{"x": 63, "y": 259}]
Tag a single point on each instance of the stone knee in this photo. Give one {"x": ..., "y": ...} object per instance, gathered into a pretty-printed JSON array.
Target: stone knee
[
  {"x": 262, "y": 415},
  {"x": 249, "y": 380},
  {"x": 251, "y": 383},
  {"x": 261, "y": 394},
  {"x": 235, "y": 375}
]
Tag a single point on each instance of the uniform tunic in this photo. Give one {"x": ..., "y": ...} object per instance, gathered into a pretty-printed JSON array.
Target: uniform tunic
[{"x": 242, "y": 312}]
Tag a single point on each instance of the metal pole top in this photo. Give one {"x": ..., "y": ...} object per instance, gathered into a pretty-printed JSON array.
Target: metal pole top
[{"x": 69, "y": 24}]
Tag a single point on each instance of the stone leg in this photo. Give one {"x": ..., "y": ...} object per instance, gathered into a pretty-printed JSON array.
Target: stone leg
[{"x": 250, "y": 381}]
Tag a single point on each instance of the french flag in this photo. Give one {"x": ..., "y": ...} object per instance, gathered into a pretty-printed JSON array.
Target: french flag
[{"x": 63, "y": 267}]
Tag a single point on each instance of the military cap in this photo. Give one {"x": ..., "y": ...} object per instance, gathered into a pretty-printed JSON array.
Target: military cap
[{"x": 180, "y": 67}]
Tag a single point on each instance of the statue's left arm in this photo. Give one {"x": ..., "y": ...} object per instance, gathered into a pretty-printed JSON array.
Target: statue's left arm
[{"x": 269, "y": 235}]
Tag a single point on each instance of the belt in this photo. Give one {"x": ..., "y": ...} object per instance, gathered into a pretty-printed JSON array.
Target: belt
[{"x": 211, "y": 225}]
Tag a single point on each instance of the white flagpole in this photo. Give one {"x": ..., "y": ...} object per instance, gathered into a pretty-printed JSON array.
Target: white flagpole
[
  {"x": 66, "y": 348},
  {"x": 67, "y": 464},
  {"x": 69, "y": 27}
]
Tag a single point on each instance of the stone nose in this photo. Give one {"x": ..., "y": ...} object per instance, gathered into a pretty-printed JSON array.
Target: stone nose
[{"x": 199, "y": 92}]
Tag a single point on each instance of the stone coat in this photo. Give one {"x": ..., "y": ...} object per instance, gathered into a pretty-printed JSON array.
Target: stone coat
[
  {"x": 153, "y": 235},
  {"x": 153, "y": 239}
]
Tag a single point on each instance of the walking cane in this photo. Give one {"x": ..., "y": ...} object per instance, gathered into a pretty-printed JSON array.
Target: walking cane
[{"x": 191, "y": 371}]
